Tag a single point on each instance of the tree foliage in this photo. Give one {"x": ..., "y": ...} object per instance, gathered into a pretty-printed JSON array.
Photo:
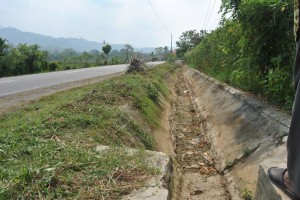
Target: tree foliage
[
  {"x": 29, "y": 59},
  {"x": 3, "y": 47},
  {"x": 230, "y": 6},
  {"x": 106, "y": 49},
  {"x": 23, "y": 59},
  {"x": 128, "y": 49},
  {"x": 253, "y": 49},
  {"x": 188, "y": 40}
]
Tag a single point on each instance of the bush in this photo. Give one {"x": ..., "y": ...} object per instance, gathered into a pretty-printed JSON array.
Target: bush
[
  {"x": 67, "y": 67},
  {"x": 115, "y": 60},
  {"x": 278, "y": 87},
  {"x": 53, "y": 66}
]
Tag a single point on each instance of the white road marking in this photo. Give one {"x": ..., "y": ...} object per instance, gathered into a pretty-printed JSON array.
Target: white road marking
[{"x": 7, "y": 81}]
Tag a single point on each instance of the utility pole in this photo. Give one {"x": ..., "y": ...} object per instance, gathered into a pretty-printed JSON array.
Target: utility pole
[{"x": 171, "y": 44}]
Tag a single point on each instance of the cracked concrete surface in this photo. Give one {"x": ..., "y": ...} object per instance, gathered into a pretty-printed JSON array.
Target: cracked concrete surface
[{"x": 247, "y": 134}]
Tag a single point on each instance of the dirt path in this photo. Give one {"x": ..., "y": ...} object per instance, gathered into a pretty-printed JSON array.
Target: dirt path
[{"x": 195, "y": 174}]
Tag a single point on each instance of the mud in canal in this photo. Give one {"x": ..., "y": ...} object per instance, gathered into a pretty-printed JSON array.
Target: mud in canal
[{"x": 195, "y": 175}]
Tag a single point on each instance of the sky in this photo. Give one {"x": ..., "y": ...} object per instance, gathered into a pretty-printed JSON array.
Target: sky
[{"x": 132, "y": 22}]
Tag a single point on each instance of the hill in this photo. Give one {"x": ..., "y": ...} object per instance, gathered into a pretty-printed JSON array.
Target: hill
[{"x": 15, "y": 36}]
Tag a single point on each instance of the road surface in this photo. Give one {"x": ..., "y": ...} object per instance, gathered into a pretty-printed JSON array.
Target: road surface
[{"x": 17, "y": 84}]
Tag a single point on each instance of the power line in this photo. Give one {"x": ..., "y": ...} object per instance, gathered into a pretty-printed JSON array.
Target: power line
[
  {"x": 206, "y": 15},
  {"x": 212, "y": 9},
  {"x": 158, "y": 17}
]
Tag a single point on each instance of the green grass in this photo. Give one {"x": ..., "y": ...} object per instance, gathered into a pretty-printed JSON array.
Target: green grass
[{"x": 48, "y": 149}]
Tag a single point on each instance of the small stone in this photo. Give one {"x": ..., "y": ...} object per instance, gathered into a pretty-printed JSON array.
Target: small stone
[
  {"x": 284, "y": 139},
  {"x": 197, "y": 192},
  {"x": 193, "y": 167},
  {"x": 208, "y": 158},
  {"x": 180, "y": 135},
  {"x": 195, "y": 141},
  {"x": 101, "y": 148},
  {"x": 50, "y": 169}
]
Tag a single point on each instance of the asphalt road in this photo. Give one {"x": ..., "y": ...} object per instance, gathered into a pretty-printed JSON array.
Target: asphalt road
[{"x": 13, "y": 85}]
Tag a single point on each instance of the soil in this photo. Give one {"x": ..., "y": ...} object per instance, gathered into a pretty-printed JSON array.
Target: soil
[{"x": 195, "y": 174}]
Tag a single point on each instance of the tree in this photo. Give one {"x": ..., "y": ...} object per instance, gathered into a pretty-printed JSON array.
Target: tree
[
  {"x": 128, "y": 49},
  {"x": 4, "y": 70},
  {"x": 53, "y": 66},
  {"x": 106, "y": 49},
  {"x": 158, "y": 52},
  {"x": 85, "y": 57},
  {"x": 187, "y": 41},
  {"x": 68, "y": 54},
  {"x": 3, "y": 46},
  {"x": 230, "y": 6},
  {"x": 31, "y": 58},
  {"x": 152, "y": 56},
  {"x": 166, "y": 49},
  {"x": 101, "y": 56},
  {"x": 166, "y": 52}
]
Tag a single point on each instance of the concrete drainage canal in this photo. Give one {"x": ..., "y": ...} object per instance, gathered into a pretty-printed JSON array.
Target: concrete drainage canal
[
  {"x": 221, "y": 141},
  {"x": 195, "y": 174}
]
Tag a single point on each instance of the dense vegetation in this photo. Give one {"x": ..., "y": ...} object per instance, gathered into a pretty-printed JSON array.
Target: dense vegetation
[
  {"x": 23, "y": 59},
  {"x": 252, "y": 49},
  {"x": 29, "y": 59},
  {"x": 48, "y": 149}
]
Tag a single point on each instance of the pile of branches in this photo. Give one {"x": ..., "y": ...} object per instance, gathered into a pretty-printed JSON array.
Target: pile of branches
[{"x": 135, "y": 64}]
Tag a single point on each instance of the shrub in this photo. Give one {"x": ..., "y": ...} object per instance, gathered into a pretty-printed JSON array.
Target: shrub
[
  {"x": 278, "y": 87},
  {"x": 53, "y": 66}
]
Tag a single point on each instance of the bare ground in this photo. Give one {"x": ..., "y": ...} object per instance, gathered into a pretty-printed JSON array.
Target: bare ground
[{"x": 195, "y": 175}]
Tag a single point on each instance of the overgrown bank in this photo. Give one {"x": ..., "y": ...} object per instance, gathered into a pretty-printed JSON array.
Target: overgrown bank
[
  {"x": 48, "y": 149},
  {"x": 253, "y": 49}
]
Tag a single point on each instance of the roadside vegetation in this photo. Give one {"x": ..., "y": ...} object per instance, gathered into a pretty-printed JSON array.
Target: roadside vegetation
[
  {"x": 48, "y": 148},
  {"x": 253, "y": 48},
  {"x": 30, "y": 59}
]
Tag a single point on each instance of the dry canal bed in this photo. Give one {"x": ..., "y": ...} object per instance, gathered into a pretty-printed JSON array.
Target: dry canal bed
[{"x": 195, "y": 175}]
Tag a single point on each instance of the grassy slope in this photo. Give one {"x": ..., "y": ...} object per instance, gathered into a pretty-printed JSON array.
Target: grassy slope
[{"x": 47, "y": 150}]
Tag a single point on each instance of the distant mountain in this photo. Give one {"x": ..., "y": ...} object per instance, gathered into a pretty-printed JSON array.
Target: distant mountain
[{"x": 15, "y": 36}]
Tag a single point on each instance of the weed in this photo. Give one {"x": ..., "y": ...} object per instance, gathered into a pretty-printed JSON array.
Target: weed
[
  {"x": 246, "y": 152},
  {"x": 247, "y": 194},
  {"x": 229, "y": 164}
]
